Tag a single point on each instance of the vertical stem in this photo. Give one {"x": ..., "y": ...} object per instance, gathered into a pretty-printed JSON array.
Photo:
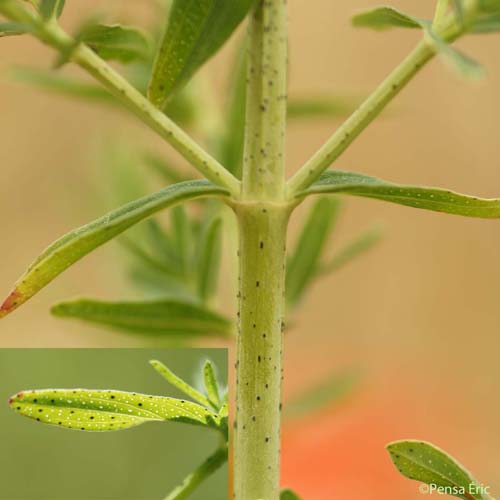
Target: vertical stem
[
  {"x": 264, "y": 163},
  {"x": 259, "y": 366},
  {"x": 263, "y": 219}
]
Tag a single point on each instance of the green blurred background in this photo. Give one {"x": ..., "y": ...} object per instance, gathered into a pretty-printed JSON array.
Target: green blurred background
[
  {"x": 43, "y": 462},
  {"x": 419, "y": 314}
]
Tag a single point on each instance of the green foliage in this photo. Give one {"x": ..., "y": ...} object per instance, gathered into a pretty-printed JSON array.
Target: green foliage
[
  {"x": 304, "y": 261},
  {"x": 13, "y": 29},
  {"x": 327, "y": 393},
  {"x": 179, "y": 384},
  {"x": 51, "y": 9},
  {"x": 425, "y": 462},
  {"x": 435, "y": 199},
  {"x": 96, "y": 410},
  {"x": 115, "y": 42},
  {"x": 312, "y": 108},
  {"x": 211, "y": 385},
  {"x": 288, "y": 495},
  {"x": 383, "y": 18},
  {"x": 169, "y": 318},
  {"x": 208, "y": 261},
  {"x": 78, "y": 243},
  {"x": 196, "y": 30},
  {"x": 110, "y": 410}
]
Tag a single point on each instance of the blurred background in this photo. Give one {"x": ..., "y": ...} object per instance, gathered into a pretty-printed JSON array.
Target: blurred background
[
  {"x": 142, "y": 463},
  {"x": 418, "y": 315}
]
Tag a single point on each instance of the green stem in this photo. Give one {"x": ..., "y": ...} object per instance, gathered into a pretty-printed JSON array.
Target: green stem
[
  {"x": 262, "y": 218},
  {"x": 372, "y": 106},
  {"x": 361, "y": 118},
  {"x": 206, "y": 469},
  {"x": 51, "y": 34},
  {"x": 264, "y": 162},
  {"x": 259, "y": 357}
]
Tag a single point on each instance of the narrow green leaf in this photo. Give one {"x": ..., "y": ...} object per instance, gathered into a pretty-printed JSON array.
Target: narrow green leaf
[
  {"x": 323, "y": 107},
  {"x": 211, "y": 385},
  {"x": 161, "y": 317},
  {"x": 97, "y": 410},
  {"x": 78, "y": 243},
  {"x": 115, "y": 42},
  {"x": 359, "y": 245},
  {"x": 234, "y": 140},
  {"x": 208, "y": 261},
  {"x": 458, "y": 61},
  {"x": 13, "y": 29},
  {"x": 165, "y": 170},
  {"x": 328, "y": 392},
  {"x": 182, "y": 237},
  {"x": 489, "y": 5},
  {"x": 178, "y": 383},
  {"x": 425, "y": 462},
  {"x": 289, "y": 495},
  {"x": 383, "y": 18},
  {"x": 196, "y": 30},
  {"x": 55, "y": 82},
  {"x": 304, "y": 261},
  {"x": 435, "y": 199},
  {"x": 51, "y": 9},
  {"x": 486, "y": 24}
]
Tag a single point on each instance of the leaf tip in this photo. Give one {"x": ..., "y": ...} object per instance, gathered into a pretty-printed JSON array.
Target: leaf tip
[{"x": 13, "y": 301}]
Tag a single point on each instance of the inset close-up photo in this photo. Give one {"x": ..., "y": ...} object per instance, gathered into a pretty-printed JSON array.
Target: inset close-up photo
[{"x": 101, "y": 424}]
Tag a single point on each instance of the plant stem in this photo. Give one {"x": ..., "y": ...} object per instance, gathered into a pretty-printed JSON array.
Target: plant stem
[
  {"x": 207, "y": 468},
  {"x": 51, "y": 34},
  {"x": 361, "y": 118},
  {"x": 259, "y": 362},
  {"x": 263, "y": 218},
  {"x": 449, "y": 30},
  {"x": 264, "y": 162}
]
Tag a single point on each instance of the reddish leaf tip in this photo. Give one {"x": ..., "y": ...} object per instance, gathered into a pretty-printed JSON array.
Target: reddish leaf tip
[{"x": 10, "y": 303}]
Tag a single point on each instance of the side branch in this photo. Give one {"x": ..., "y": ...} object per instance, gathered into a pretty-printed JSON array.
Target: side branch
[
  {"x": 361, "y": 118},
  {"x": 370, "y": 109},
  {"x": 51, "y": 34}
]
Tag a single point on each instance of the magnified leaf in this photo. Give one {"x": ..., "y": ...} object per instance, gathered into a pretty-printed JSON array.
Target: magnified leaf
[
  {"x": 162, "y": 317},
  {"x": 97, "y": 410},
  {"x": 425, "y": 462},
  {"x": 383, "y": 18},
  {"x": 304, "y": 261},
  {"x": 211, "y": 384},
  {"x": 427, "y": 198},
  {"x": 196, "y": 30},
  {"x": 328, "y": 392},
  {"x": 115, "y": 42},
  {"x": 288, "y": 495},
  {"x": 178, "y": 383},
  {"x": 78, "y": 243},
  {"x": 208, "y": 260}
]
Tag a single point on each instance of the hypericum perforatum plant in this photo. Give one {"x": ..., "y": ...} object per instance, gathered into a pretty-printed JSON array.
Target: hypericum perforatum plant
[{"x": 259, "y": 192}]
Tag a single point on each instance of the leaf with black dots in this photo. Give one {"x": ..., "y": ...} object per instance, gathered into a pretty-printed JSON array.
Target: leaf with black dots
[
  {"x": 426, "y": 198},
  {"x": 76, "y": 244},
  {"x": 211, "y": 384},
  {"x": 424, "y": 462},
  {"x": 105, "y": 410}
]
